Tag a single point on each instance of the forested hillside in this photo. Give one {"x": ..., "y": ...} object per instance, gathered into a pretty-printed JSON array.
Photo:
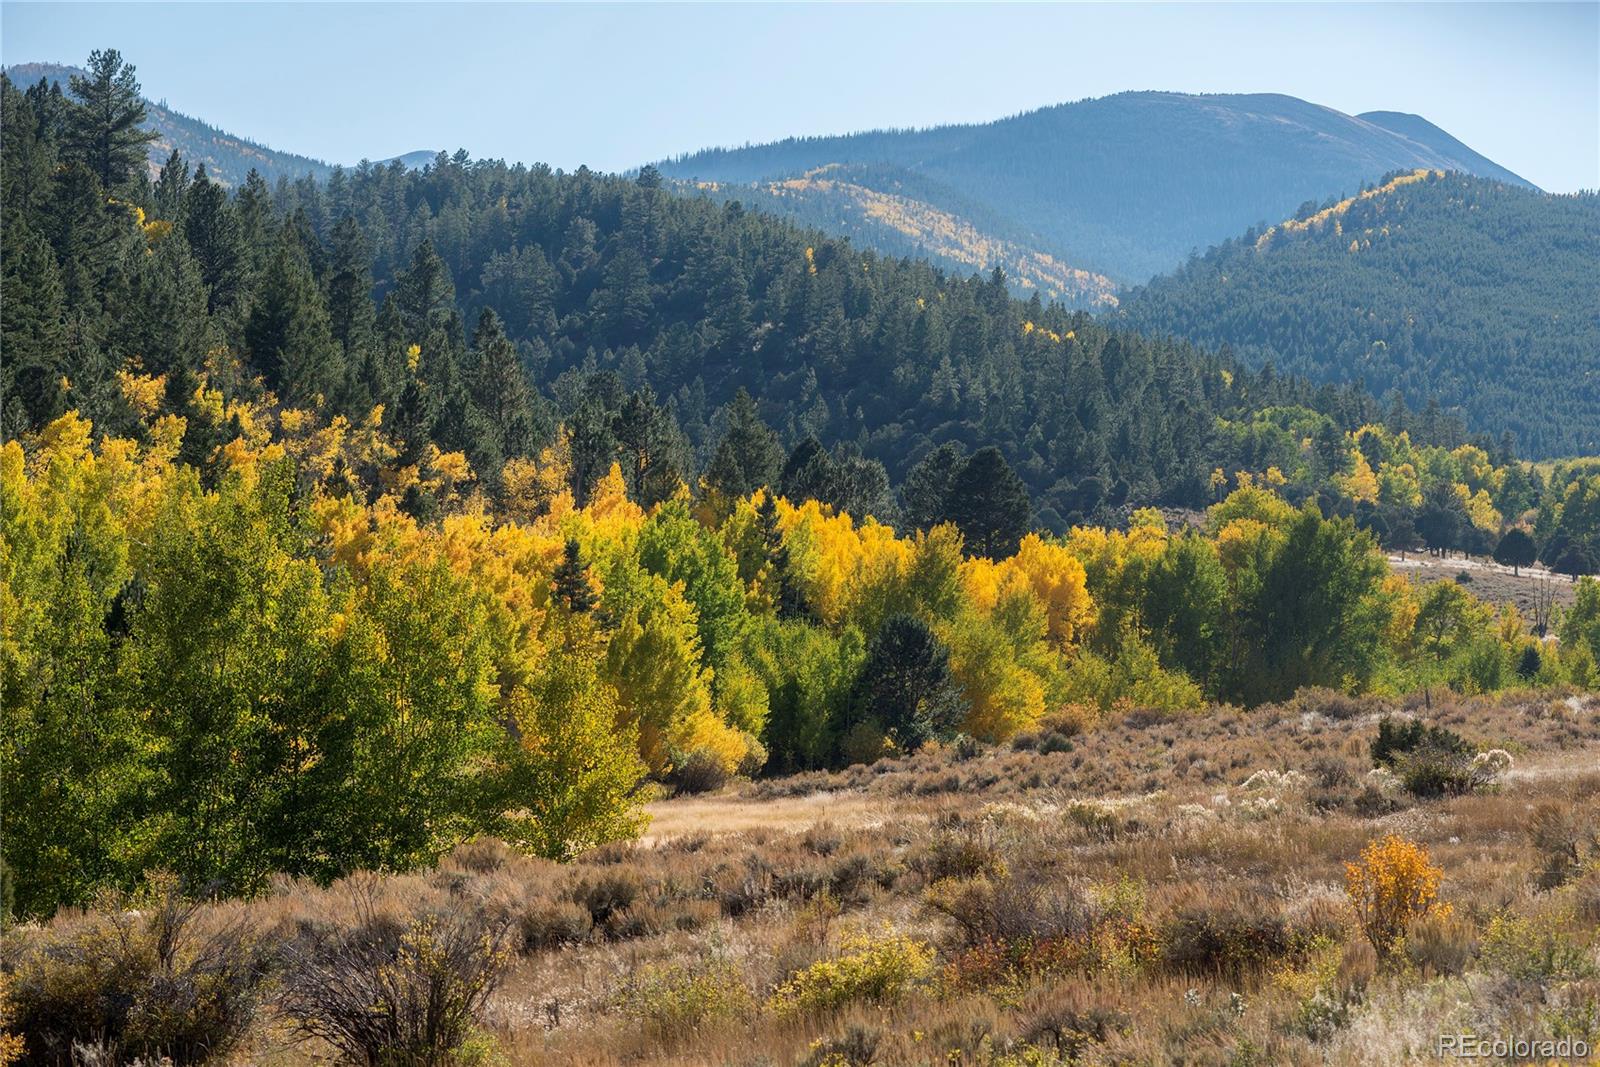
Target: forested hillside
[
  {"x": 228, "y": 158},
  {"x": 1126, "y": 185},
  {"x": 631, "y": 316},
  {"x": 1470, "y": 293}
]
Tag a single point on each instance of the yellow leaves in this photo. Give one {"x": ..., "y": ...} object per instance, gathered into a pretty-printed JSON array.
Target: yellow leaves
[
  {"x": 609, "y": 508},
  {"x": 841, "y": 563},
  {"x": 1361, "y": 484},
  {"x": 413, "y": 357},
  {"x": 811, "y": 260},
  {"x": 143, "y": 392},
  {"x": 1046, "y": 571},
  {"x": 1480, "y": 509},
  {"x": 952, "y": 237},
  {"x": 1394, "y": 883},
  {"x": 67, "y": 438},
  {"x": 1030, "y": 328}
]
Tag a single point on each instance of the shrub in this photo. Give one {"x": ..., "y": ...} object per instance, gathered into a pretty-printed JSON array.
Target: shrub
[
  {"x": 1400, "y": 737},
  {"x": 875, "y": 970},
  {"x": 1229, "y": 935},
  {"x": 606, "y": 895},
  {"x": 1440, "y": 944},
  {"x": 700, "y": 771},
  {"x": 962, "y": 850},
  {"x": 1432, "y": 761},
  {"x": 398, "y": 993},
  {"x": 1561, "y": 843},
  {"x": 1029, "y": 907},
  {"x": 137, "y": 984},
  {"x": 1393, "y": 884},
  {"x": 677, "y": 1000},
  {"x": 1538, "y": 948},
  {"x": 552, "y": 923},
  {"x": 857, "y": 1047}
]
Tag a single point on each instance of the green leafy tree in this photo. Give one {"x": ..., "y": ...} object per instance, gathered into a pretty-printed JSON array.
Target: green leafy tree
[{"x": 571, "y": 769}]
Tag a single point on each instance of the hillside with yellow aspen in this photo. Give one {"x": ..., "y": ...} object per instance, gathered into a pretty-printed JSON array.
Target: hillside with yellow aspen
[{"x": 838, "y": 199}]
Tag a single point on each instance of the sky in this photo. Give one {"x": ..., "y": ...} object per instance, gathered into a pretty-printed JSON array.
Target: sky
[{"x": 617, "y": 85}]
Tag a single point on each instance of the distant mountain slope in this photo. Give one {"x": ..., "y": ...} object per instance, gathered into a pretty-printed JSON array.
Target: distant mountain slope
[
  {"x": 227, "y": 158},
  {"x": 1125, "y": 185},
  {"x": 1481, "y": 295},
  {"x": 883, "y": 211},
  {"x": 1431, "y": 137}
]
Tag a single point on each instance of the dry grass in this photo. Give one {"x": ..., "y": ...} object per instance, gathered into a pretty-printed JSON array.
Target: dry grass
[{"x": 1151, "y": 892}]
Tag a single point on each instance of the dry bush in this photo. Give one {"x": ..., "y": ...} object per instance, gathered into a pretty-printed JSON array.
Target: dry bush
[
  {"x": 699, "y": 771},
  {"x": 170, "y": 981},
  {"x": 607, "y": 895},
  {"x": 1026, "y": 906},
  {"x": 391, "y": 989},
  {"x": 1564, "y": 842},
  {"x": 1440, "y": 944},
  {"x": 1228, "y": 934}
]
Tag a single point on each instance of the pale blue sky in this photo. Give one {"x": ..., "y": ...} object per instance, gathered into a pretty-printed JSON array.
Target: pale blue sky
[{"x": 617, "y": 85}]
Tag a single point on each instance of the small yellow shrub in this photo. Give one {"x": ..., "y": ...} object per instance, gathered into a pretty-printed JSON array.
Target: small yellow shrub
[
  {"x": 678, "y": 1000},
  {"x": 1393, "y": 884},
  {"x": 879, "y": 970}
]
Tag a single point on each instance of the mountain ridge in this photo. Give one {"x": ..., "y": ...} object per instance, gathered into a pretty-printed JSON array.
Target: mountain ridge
[
  {"x": 1447, "y": 288},
  {"x": 1126, "y": 185},
  {"x": 228, "y": 157}
]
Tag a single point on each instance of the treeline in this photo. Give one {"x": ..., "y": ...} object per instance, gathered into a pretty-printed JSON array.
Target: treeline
[
  {"x": 257, "y": 666},
  {"x": 630, "y": 316},
  {"x": 1450, "y": 289}
]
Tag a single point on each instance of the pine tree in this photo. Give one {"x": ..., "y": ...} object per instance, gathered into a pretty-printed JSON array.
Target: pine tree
[
  {"x": 926, "y": 490},
  {"x": 570, "y": 582},
  {"x": 748, "y": 456},
  {"x": 287, "y": 336},
  {"x": 1515, "y": 550},
  {"x": 498, "y": 386},
  {"x": 31, "y": 330},
  {"x": 172, "y": 186},
  {"x": 790, "y": 599},
  {"x": 990, "y": 504},
  {"x": 218, "y": 244},
  {"x": 905, "y": 685},
  {"x": 106, "y": 130}
]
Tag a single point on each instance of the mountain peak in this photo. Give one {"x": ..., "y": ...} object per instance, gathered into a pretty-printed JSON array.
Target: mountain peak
[{"x": 1126, "y": 185}]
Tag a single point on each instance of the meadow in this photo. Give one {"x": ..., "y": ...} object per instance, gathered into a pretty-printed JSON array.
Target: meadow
[{"x": 1314, "y": 881}]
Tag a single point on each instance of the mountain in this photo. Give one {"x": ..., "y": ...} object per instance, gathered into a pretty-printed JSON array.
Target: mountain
[
  {"x": 227, "y": 157},
  {"x": 1420, "y": 130},
  {"x": 1123, "y": 186},
  {"x": 411, "y": 160},
  {"x": 1482, "y": 296},
  {"x": 890, "y": 210}
]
